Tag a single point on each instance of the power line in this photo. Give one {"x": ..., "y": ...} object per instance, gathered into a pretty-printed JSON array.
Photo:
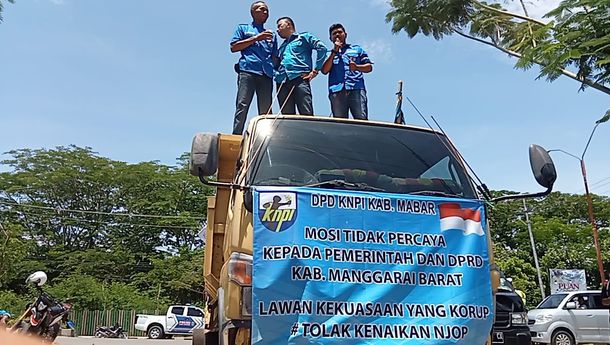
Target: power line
[
  {"x": 59, "y": 209},
  {"x": 604, "y": 192},
  {"x": 106, "y": 223},
  {"x": 602, "y": 180},
  {"x": 602, "y": 185},
  {"x": 594, "y": 185}
]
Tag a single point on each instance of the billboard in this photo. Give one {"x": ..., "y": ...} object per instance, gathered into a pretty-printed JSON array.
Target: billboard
[
  {"x": 344, "y": 267},
  {"x": 567, "y": 280}
]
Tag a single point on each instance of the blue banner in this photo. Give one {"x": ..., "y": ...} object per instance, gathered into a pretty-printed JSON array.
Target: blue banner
[{"x": 344, "y": 267}]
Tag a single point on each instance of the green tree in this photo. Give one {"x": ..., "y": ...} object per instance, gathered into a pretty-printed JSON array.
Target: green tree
[
  {"x": 563, "y": 239},
  {"x": 179, "y": 276},
  {"x": 521, "y": 271},
  {"x": 13, "y": 303},
  {"x": 87, "y": 292},
  {"x": 83, "y": 218},
  {"x": 2, "y": 7},
  {"x": 574, "y": 41},
  {"x": 16, "y": 257}
]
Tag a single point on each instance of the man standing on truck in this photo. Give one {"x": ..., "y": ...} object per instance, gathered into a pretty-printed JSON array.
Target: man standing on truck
[
  {"x": 295, "y": 68},
  {"x": 255, "y": 67},
  {"x": 347, "y": 64}
]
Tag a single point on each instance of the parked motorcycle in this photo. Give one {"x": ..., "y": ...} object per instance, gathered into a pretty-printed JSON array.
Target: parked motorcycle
[
  {"x": 115, "y": 331},
  {"x": 43, "y": 317}
]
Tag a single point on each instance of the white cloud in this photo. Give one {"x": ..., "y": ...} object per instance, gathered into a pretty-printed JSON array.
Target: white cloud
[
  {"x": 379, "y": 50},
  {"x": 535, "y": 8}
]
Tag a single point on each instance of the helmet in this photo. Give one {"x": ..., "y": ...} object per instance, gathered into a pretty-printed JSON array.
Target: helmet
[{"x": 38, "y": 278}]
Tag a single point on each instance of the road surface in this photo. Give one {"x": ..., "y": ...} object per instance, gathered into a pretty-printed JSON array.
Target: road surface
[{"x": 96, "y": 341}]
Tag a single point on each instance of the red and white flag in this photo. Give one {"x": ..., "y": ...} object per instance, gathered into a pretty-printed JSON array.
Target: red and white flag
[{"x": 454, "y": 217}]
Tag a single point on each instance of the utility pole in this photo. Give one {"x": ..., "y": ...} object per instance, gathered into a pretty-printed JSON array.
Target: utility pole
[
  {"x": 581, "y": 159},
  {"x": 529, "y": 230},
  {"x": 600, "y": 265}
]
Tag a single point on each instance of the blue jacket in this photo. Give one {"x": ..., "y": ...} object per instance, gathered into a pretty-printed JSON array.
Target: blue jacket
[{"x": 295, "y": 56}]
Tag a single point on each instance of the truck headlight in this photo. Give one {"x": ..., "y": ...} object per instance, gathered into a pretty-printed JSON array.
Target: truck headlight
[
  {"x": 240, "y": 268},
  {"x": 518, "y": 318},
  {"x": 543, "y": 318}
]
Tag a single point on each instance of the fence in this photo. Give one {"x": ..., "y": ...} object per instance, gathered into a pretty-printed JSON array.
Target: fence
[{"x": 87, "y": 321}]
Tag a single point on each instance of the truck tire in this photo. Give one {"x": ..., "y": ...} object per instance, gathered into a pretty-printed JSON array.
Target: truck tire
[
  {"x": 201, "y": 337},
  {"x": 155, "y": 332},
  {"x": 211, "y": 338}
]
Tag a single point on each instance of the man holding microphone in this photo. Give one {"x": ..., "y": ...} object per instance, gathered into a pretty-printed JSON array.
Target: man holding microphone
[
  {"x": 346, "y": 64},
  {"x": 255, "y": 67}
]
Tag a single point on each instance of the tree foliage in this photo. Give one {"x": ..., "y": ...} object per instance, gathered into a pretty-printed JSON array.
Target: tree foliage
[
  {"x": 2, "y": 7},
  {"x": 573, "y": 40},
  {"x": 563, "y": 239},
  {"x": 107, "y": 233}
]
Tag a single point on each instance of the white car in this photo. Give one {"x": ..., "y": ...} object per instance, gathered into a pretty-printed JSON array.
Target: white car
[
  {"x": 570, "y": 318},
  {"x": 179, "y": 320}
]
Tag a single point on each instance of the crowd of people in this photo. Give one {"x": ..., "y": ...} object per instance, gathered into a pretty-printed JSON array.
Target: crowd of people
[{"x": 292, "y": 67}]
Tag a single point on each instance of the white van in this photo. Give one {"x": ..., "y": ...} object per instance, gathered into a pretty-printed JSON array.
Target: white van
[{"x": 570, "y": 318}]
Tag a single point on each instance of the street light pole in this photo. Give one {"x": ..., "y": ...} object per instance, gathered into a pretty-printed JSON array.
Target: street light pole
[
  {"x": 600, "y": 265},
  {"x": 529, "y": 229},
  {"x": 581, "y": 159}
]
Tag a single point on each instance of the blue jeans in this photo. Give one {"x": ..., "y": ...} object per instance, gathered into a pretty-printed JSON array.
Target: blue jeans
[
  {"x": 295, "y": 93},
  {"x": 353, "y": 100},
  {"x": 247, "y": 84}
]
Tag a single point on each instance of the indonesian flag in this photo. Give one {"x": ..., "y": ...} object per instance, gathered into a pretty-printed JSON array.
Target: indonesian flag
[{"x": 454, "y": 217}]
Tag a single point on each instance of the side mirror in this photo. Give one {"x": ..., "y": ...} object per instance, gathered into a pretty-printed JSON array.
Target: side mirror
[
  {"x": 542, "y": 166},
  {"x": 544, "y": 172},
  {"x": 204, "y": 155},
  {"x": 571, "y": 305}
]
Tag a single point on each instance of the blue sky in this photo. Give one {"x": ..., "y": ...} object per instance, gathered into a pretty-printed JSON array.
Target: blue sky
[{"x": 136, "y": 79}]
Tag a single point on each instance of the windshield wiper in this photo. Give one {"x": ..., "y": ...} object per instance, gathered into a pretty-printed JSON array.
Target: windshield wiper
[
  {"x": 346, "y": 185},
  {"x": 435, "y": 193}
]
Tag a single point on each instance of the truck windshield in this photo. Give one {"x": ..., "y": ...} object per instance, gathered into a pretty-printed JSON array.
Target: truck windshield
[{"x": 329, "y": 154}]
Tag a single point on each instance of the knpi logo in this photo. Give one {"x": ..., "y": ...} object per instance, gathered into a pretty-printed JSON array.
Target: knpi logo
[{"x": 277, "y": 211}]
